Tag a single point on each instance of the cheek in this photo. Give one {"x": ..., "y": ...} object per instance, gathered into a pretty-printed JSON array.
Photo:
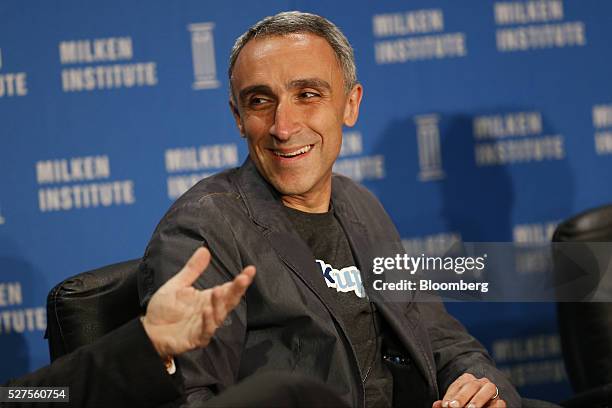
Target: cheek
[
  {"x": 329, "y": 126},
  {"x": 256, "y": 128}
]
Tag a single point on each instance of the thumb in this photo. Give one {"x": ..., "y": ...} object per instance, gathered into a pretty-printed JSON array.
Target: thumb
[{"x": 191, "y": 271}]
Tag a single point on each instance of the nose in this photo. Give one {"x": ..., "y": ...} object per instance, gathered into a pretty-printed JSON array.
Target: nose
[{"x": 285, "y": 121}]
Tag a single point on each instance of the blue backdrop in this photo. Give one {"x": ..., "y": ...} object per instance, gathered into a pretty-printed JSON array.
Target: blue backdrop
[{"x": 481, "y": 121}]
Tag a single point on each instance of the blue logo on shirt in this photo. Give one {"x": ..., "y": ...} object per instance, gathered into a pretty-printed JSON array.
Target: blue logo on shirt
[{"x": 344, "y": 280}]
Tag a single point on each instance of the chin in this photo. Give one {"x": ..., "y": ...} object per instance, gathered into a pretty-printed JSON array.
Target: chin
[
  {"x": 289, "y": 187},
  {"x": 289, "y": 190}
]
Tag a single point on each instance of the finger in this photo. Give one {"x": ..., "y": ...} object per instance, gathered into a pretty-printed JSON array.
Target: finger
[
  {"x": 208, "y": 324},
  {"x": 497, "y": 403},
  {"x": 191, "y": 271},
  {"x": 223, "y": 299},
  {"x": 456, "y": 386},
  {"x": 237, "y": 288},
  {"x": 218, "y": 305},
  {"x": 203, "y": 304},
  {"x": 465, "y": 393},
  {"x": 226, "y": 297},
  {"x": 483, "y": 396},
  {"x": 437, "y": 404},
  {"x": 249, "y": 271},
  {"x": 246, "y": 277}
]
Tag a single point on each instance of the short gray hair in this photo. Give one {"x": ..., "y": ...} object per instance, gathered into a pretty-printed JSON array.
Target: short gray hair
[{"x": 290, "y": 22}]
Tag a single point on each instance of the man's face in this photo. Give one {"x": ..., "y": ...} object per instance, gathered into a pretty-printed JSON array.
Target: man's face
[{"x": 290, "y": 103}]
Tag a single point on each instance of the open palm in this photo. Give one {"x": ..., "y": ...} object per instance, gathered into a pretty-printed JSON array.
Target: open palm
[{"x": 180, "y": 317}]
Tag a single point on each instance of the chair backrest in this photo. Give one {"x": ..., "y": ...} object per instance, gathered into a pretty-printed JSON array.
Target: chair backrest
[
  {"x": 85, "y": 307},
  {"x": 585, "y": 328}
]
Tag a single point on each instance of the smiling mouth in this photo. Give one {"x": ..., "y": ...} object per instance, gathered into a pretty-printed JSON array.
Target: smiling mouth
[{"x": 294, "y": 153}]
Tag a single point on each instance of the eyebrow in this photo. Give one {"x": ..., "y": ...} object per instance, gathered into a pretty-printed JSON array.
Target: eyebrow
[
  {"x": 296, "y": 83},
  {"x": 310, "y": 83}
]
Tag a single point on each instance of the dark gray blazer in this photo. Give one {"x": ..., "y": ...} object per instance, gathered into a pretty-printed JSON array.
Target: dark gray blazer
[
  {"x": 286, "y": 321},
  {"x": 121, "y": 369}
]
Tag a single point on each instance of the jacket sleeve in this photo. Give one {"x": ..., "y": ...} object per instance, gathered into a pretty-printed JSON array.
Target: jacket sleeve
[
  {"x": 457, "y": 352},
  {"x": 119, "y": 369},
  {"x": 207, "y": 371}
]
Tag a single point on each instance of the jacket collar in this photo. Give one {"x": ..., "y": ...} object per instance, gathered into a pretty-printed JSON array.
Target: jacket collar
[
  {"x": 261, "y": 199},
  {"x": 266, "y": 209}
]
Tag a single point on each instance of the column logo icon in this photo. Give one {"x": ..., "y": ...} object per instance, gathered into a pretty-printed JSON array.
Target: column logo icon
[
  {"x": 428, "y": 139},
  {"x": 203, "y": 54}
]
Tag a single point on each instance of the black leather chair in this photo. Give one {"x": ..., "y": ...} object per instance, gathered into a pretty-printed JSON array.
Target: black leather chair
[
  {"x": 85, "y": 307},
  {"x": 586, "y": 327}
]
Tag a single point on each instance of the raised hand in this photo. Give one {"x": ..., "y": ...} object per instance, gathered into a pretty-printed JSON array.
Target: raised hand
[{"x": 180, "y": 317}]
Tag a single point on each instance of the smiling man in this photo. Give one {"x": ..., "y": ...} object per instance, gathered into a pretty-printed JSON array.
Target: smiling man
[
  {"x": 290, "y": 101},
  {"x": 312, "y": 236}
]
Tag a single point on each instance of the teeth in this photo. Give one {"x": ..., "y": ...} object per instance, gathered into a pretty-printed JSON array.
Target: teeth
[{"x": 293, "y": 154}]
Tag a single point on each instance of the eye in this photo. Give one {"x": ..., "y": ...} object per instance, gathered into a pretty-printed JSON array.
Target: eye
[
  {"x": 257, "y": 101},
  {"x": 308, "y": 95}
]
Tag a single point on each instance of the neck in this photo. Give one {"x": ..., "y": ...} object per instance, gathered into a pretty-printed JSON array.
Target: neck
[{"x": 310, "y": 203}]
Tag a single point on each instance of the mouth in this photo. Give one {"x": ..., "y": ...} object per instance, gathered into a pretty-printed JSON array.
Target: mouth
[{"x": 290, "y": 154}]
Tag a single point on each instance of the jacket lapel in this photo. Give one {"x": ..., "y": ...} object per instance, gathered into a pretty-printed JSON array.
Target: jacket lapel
[
  {"x": 403, "y": 319},
  {"x": 266, "y": 210}
]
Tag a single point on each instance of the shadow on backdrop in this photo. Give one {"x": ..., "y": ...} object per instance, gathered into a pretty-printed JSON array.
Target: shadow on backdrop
[
  {"x": 485, "y": 204},
  {"x": 481, "y": 204},
  {"x": 23, "y": 318}
]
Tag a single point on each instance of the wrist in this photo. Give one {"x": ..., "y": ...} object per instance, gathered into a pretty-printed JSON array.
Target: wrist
[
  {"x": 154, "y": 337},
  {"x": 166, "y": 357}
]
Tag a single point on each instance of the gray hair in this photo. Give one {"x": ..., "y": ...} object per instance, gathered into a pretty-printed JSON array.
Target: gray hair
[{"x": 290, "y": 22}]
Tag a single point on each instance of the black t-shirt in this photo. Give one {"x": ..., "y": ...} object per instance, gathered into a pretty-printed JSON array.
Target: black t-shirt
[{"x": 330, "y": 247}]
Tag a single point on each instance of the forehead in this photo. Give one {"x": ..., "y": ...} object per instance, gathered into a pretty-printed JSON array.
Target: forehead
[{"x": 286, "y": 58}]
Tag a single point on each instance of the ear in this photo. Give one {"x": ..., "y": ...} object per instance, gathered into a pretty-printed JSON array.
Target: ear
[
  {"x": 351, "y": 108},
  {"x": 236, "y": 115}
]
